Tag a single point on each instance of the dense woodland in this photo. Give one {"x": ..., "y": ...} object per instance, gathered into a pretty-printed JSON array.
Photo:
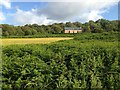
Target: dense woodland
[{"x": 98, "y": 26}]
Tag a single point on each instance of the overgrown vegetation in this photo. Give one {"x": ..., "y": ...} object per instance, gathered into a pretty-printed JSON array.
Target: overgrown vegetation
[
  {"x": 35, "y": 30},
  {"x": 41, "y": 36},
  {"x": 88, "y": 61}
]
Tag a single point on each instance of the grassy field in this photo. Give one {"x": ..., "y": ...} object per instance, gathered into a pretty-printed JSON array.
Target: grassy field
[{"x": 10, "y": 41}]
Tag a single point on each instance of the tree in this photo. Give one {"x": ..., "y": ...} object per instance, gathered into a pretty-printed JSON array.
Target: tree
[
  {"x": 86, "y": 28},
  {"x": 48, "y": 29},
  {"x": 27, "y": 30},
  {"x": 19, "y": 31},
  {"x": 77, "y": 24},
  {"x": 104, "y": 24},
  {"x": 5, "y": 33},
  {"x": 33, "y": 31},
  {"x": 57, "y": 29},
  {"x": 9, "y": 28},
  {"x": 69, "y": 24}
]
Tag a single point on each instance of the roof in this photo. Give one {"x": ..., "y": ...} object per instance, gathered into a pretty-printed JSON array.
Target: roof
[{"x": 69, "y": 28}]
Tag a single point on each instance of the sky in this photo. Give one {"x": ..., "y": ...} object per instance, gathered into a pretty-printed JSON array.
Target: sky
[{"x": 46, "y": 12}]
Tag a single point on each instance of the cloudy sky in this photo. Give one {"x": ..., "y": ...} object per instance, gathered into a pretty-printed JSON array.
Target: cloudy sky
[{"x": 20, "y": 12}]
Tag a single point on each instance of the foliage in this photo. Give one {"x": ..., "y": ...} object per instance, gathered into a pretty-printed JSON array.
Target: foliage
[
  {"x": 98, "y": 26},
  {"x": 112, "y": 36},
  {"x": 42, "y": 36},
  {"x": 89, "y": 63}
]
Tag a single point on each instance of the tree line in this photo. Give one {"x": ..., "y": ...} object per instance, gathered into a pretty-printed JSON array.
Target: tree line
[{"x": 99, "y": 26}]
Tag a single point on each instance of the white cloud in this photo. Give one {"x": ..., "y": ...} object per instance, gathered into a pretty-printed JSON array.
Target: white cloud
[
  {"x": 83, "y": 10},
  {"x": 93, "y": 15},
  {"x": 5, "y": 3},
  {"x": 2, "y": 18},
  {"x": 29, "y": 17}
]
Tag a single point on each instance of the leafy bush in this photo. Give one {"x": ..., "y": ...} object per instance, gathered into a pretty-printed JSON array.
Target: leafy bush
[
  {"x": 113, "y": 36},
  {"x": 65, "y": 64}
]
